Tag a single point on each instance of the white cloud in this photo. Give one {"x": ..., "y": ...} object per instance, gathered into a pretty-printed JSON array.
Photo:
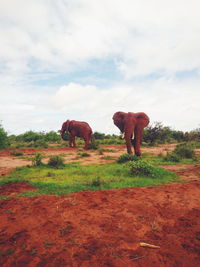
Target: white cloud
[{"x": 42, "y": 39}]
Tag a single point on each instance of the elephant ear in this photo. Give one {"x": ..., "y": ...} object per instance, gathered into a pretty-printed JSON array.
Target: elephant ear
[
  {"x": 142, "y": 119},
  {"x": 118, "y": 119},
  {"x": 65, "y": 126}
]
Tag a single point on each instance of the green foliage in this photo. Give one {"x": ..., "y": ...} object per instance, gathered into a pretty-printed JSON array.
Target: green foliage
[
  {"x": 52, "y": 137},
  {"x": 31, "y": 136},
  {"x": 96, "y": 181},
  {"x": 4, "y": 142},
  {"x": 184, "y": 150},
  {"x": 98, "y": 135},
  {"x": 172, "y": 157},
  {"x": 107, "y": 139},
  {"x": 37, "y": 159},
  {"x": 157, "y": 134},
  {"x": 100, "y": 151},
  {"x": 143, "y": 168},
  {"x": 40, "y": 143},
  {"x": 84, "y": 154},
  {"x": 56, "y": 161},
  {"x": 35, "y": 139},
  {"x": 127, "y": 157},
  {"x": 192, "y": 135},
  {"x": 93, "y": 145}
]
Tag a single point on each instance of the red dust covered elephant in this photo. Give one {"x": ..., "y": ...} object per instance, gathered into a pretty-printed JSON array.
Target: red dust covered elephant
[
  {"x": 77, "y": 128},
  {"x": 132, "y": 125}
]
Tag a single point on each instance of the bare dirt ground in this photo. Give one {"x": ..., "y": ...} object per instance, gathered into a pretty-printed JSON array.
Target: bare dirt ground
[
  {"x": 102, "y": 228},
  {"x": 8, "y": 162}
]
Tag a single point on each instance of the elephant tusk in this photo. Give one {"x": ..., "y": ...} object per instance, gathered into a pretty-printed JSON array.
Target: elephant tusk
[
  {"x": 122, "y": 135},
  {"x": 133, "y": 137}
]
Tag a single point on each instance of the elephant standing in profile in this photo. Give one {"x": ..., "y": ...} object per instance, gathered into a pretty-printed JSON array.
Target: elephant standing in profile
[
  {"x": 132, "y": 126},
  {"x": 79, "y": 129}
]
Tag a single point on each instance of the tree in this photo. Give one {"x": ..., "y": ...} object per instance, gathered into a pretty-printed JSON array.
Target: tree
[{"x": 4, "y": 143}]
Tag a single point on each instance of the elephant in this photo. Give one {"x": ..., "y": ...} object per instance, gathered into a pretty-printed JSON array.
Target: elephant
[
  {"x": 132, "y": 126},
  {"x": 77, "y": 128}
]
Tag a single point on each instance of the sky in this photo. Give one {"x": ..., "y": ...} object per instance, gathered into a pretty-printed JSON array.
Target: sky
[{"x": 87, "y": 59}]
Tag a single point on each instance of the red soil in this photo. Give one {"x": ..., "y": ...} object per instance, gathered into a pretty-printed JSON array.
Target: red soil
[
  {"x": 104, "y": 228},
  {"x": 15, "y": 188}
]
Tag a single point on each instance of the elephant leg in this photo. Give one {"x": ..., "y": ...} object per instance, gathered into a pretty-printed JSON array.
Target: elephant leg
[
  {"x": 137, "y": 140},
  {"x": 86, "y": 143},
  {"x": 72, "y": 142},
  {"x": 128, "y": 144}
]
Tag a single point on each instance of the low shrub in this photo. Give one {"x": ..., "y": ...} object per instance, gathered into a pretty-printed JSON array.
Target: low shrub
[
  {"x": 100, "y": 151},
  {"x": 143, "y": 168},
  {"x": 56, "y": 161},
  {"x": 84, "y": 154},
  {"x": 37, "y": 160},
  {"x": 127, "y": 157},
  {"x": 96, "y": 181},
  {"x": 40, "y": 143},
  {"x": 184, "y": 150},
  {"x": 93, "y": 145},
  {"x": 172, "y": 157},
  {"x": 16, "y": 153}
]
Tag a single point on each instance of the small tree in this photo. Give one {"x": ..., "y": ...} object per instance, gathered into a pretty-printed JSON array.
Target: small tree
[{"x": 4, "y": 142}]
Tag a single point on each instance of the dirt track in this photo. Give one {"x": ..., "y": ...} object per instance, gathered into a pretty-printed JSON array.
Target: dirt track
[{"x": 104, "y": 228}]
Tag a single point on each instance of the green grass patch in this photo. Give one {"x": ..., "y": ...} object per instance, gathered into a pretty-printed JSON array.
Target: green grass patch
[
  {"x": 158, "y": 160},
  {"x": 74, "y": 177}
]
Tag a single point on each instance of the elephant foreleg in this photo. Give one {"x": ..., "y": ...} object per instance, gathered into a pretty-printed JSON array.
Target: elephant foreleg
[
  {"x": 72, "y": 142},
  {"x": 137, "y": 141},
  {"x": 128, "y": 144},
  {"x": 86, "y": 142}
]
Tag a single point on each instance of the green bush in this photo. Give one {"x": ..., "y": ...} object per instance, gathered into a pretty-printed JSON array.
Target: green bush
[
  {"x": 4, "y": 142},
  {"x": 93, "y": 145},
  {"x": 172, "y": 157},
  {"x": 127, "y": 157},
  {"x": 96, "y": 181},
  {"x": 37, "y": 160},
  {"x": 16, "y": 153},
  {"x": 40, "y": 143},
  {"x": 143, "y": 168},
  {"x": 56, "y": 161},
  {"x": 84, "y": 154},
  {"x": 184, "y": 150}
]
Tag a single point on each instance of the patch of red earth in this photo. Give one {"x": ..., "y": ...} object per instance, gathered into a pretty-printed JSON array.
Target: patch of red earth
[
  {"x": 15, "y": 188},
  {"x": 189, "y": 172},
  {"x": 103, "y": 228},
  {"x": 9, "y": 162}
]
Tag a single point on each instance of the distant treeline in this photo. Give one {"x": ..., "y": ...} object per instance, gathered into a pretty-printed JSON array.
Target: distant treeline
[{"x": 153, "y": 135}]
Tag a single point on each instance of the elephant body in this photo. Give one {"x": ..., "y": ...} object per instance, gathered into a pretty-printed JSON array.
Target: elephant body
[
  {"x": 132, "y": 125},
  {"x": 77, "y": 128}
]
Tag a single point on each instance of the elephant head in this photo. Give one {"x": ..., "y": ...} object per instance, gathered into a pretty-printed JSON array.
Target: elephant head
[
  {"x": 65, "y": 128},
  {"x": 132, "y": 125}
]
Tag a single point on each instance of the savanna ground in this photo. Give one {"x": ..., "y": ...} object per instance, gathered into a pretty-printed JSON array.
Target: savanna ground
[{"x": 104, "y": 227}]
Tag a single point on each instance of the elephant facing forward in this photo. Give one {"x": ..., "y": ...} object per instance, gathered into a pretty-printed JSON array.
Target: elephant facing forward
[
  {"x": 132, "y": 125},
  {"x": 79, "y": 129}
]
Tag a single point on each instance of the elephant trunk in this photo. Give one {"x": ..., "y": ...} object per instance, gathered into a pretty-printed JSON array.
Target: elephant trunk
[
  {"x": 62, "y": 134},
  {"x": 64, "y": 129}
]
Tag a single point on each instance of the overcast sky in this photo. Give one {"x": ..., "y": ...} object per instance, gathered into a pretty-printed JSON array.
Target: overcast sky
[{"x": 87, "y": 59}]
